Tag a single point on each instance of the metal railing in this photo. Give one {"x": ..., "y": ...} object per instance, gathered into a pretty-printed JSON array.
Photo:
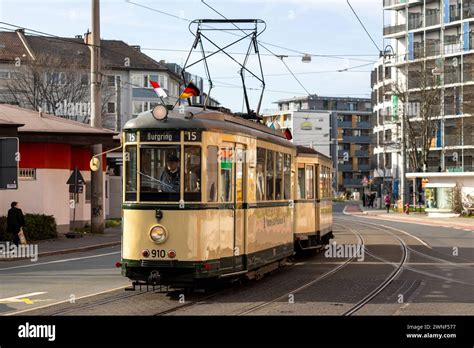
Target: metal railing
[
  {"x": 432, "y": 19},
  {"x": 393, "y": 29},
  {"x": 415, "y": 22}
]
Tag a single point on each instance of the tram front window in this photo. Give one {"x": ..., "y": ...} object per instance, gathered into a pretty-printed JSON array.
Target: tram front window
[{"x": 159, "y": 173}]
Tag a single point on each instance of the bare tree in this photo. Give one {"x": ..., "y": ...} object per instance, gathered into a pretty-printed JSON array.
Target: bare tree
[
  {"x": 53, "y": 83},
  {"x": 420, "y": 112}
]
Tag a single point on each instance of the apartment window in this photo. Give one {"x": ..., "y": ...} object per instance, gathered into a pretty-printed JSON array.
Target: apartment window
[
  {"x": 111, "y": 108},
  {"x": 110, "y": 80},
  {"x": 137, "y": 107},
  {"x": 84, "y": 79},
  {"x": 4, "y": 74}
]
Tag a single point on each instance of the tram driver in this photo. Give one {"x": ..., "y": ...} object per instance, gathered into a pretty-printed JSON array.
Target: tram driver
[{"x": 169, "y": 180}]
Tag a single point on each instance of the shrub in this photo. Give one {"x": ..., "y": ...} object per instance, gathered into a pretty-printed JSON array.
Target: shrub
[{"x": 37, "y": 227}]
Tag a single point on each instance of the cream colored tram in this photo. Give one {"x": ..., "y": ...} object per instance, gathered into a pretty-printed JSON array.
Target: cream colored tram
[
  {"x": 206, "y": 195},
  {"x": 313, "y": 203}
]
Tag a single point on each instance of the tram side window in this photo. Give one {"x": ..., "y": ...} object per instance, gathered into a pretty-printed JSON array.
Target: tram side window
[
  {"x": 226, "y": 174},
  {"x": 279, "y": 176},
  {"x": 270, "y": 175},
  {"x": 159, "y": 173},
  {"x": 260, "y": 174},
  {"x": 192, "y": 173},
  {"x": 301, "y": 182},
  {"x": 211, "y": 173},
  {"x": 309, "y": 182},
  {"x": 130, "y": 159},
  {"x": 287, "y": 176}
]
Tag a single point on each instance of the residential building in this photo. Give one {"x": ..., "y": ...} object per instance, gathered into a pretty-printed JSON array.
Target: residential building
[
  {"x": 340, "y": 128},
  {"x": 118, "y": 59},
  {"x": 435, "y": 35},
  {"x": 50, "y": 149}
]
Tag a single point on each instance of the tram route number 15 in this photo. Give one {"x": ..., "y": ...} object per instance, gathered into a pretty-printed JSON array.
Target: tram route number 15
[{"x": 192, "y": 136}]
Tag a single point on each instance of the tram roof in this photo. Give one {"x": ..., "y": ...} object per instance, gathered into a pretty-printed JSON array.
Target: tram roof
[{"x": 207, "y": 120}]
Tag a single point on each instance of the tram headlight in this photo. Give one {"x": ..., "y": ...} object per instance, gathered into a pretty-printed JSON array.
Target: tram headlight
[{"x": 158, "y": 234}]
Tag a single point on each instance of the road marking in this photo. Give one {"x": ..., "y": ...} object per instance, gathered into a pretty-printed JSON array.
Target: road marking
[
  {"x": 59, "y": 261},
  {"x": 66, "y": 301},
  {"x": 25, "y": 298}
]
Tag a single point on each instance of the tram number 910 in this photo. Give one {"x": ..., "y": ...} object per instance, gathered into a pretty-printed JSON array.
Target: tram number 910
[{"x": 159, "y": 253}]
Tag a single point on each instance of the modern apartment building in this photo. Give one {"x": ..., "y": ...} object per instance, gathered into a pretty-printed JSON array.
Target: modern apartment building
[
  {"x": 434, "y": 37},
  {"x": 337, "y": 127}
]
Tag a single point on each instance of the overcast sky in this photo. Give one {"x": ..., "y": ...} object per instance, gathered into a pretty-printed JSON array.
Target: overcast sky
[{"x": 320, "y": 27}]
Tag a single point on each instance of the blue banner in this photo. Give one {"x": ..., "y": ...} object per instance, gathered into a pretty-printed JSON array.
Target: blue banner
[
  {"x": 446, "y": 11},
  {"x": 411, "y": 55},
  {"x": 466, "y": 36}
]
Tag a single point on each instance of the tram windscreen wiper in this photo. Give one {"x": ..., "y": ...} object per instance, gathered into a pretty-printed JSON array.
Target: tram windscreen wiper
[{"x": 162, "y": 184}]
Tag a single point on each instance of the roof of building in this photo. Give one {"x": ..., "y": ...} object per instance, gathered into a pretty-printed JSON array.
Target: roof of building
[
  {"x": 75, "y": 51},
  {"x": 33, "y": 121},
  {"x": 317, "y": 97}
]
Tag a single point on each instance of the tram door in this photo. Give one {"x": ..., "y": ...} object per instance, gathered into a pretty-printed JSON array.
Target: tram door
[{"x": 239, "y": 211}]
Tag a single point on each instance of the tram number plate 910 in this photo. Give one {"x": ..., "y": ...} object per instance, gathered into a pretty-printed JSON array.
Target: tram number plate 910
[{"x": 159, "y": 253}]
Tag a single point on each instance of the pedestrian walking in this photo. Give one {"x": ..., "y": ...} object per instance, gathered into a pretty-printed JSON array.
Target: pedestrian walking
[
  {"x": 15, "y": 222},
  {"x": 387, "y": 201}
]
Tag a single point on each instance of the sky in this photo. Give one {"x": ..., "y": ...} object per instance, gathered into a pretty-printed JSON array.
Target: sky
[{"x": 318, "y": 27}]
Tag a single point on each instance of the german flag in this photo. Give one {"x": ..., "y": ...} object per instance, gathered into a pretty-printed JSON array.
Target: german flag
[{"x": 190, "y": 91}]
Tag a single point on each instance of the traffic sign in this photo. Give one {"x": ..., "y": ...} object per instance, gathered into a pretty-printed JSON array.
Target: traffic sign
[
  {"x": 76, "y": 189},
  {"x": 76, "y": 178}
]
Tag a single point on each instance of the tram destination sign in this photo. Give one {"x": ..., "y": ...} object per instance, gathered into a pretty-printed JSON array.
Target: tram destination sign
[{"x": 161, "y": 136}]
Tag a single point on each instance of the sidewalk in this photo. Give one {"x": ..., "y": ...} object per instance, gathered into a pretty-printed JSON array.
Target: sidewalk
[
  {"x": 418, "y": 218},
  {"x": 62, "y": 245}
]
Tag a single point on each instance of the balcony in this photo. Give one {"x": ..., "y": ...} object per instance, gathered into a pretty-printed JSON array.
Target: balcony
[
  {"x": 363, "y": 125},
  {"x": 352, "y": 182},
  {"x": 468, "y": 9},
  {"x": 394, "y": 29},
  {"x": 432, "y": 19},
  {"x": 362, "y": 153},
  {"x": 345, "y": 167},
  {"x": 415, "y": 22},
  {"x": 344, "y": 124},
  {"x": 452, "y": 77},
  {"x": 454, "y": 13},
  {"x": 387, "y": 3},
  {"x": 364, "y": 139},
  {"x": 452, "y": 44},
  {"x": 364, "y": 167},
  {"x": 432, "y": 48}
]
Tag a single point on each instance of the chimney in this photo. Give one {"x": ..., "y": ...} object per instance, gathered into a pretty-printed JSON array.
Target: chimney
[
  {"x": 21, "y": 31},
  {"x": 78, "y": 36},
  {"x": 162, "y": 62},
  {"x": 137, "y": 47}
]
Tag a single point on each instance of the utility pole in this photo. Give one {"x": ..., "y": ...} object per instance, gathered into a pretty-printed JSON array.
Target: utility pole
[
  {"x": 118, "y": 104},
  {"x": 97, "y": 189}
]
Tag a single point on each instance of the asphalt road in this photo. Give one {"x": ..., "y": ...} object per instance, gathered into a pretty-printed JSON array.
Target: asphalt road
[
  {"x": 25, "y": 285},
  {"x": 436, "y": 277}
]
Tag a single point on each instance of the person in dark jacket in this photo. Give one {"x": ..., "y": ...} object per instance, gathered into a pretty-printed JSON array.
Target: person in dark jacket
[
  {"x": 170, "y": 177},
  {"x": 15, "y": 221}
]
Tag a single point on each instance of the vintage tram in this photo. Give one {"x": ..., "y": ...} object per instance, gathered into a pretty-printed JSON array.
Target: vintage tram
[{"x": 208, "y": 195}]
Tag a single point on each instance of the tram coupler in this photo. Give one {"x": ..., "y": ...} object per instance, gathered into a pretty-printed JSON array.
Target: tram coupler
[{"x": 154, "y": 278}]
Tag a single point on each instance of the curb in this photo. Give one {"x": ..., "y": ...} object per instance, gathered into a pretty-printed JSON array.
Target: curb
[{"x": 70, "y": 251}]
